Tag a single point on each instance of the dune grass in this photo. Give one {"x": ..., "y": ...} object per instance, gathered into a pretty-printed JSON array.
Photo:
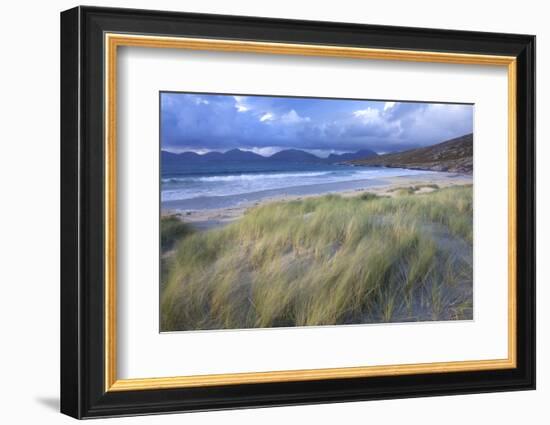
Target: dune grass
[
  {"x": 172, "y": 229},
  {"x": 325, "y": 261},
  {"x": 409, "y": 190}
]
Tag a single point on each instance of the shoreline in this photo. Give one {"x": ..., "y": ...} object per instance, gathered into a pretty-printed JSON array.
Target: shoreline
[{"x": 209, "y": 218}]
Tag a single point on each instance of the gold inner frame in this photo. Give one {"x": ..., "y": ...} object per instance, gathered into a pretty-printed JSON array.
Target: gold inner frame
[{"x": 113, "y": 41}]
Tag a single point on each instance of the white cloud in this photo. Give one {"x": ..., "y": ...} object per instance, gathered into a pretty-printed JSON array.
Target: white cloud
[
  {"x": 268, "y": 116},
  {"x": 264, "y": 151},
  {"x": 439, "y": 122},
  {"x": 200, "y": 101},
  {"x": 368, "y": 115},
  {"x": 240, "y": 104},
  {"x": 373, "y": 122},
  {"x": 270, "y": 150},
  {"x": 292, "y": 117},
  {"x": 388, "y": 105}
]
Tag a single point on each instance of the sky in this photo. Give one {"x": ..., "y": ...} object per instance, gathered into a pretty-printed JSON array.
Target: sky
[{"x": 267, "y": 124}]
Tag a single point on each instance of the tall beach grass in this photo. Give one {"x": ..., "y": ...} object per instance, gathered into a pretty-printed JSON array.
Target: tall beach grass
[{"x": 326, "y": 260}]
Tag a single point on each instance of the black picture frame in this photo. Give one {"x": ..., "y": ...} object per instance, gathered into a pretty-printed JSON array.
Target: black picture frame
[{"x": 83, "y": 392}]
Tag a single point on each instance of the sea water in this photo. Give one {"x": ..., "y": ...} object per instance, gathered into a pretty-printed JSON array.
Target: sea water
[{"x": 218, "y": 185}]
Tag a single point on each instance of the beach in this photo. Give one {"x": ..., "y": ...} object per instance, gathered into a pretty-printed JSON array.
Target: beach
[
  {"x": 205, "y": 213},
  {"x": 283, "y": 212},
  {"x": 390, "y": 250}
]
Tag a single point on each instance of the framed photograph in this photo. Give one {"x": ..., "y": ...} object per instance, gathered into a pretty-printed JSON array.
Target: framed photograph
[{"x": 261, "y": 212}]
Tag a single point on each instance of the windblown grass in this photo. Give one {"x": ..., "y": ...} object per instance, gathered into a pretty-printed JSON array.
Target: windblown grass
[{"x": 325, "y": 261}]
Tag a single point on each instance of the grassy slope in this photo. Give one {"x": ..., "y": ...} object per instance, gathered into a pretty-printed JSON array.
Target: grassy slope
[
  {"x": 327, "y": 260},
  {"x": 453, "y": 155}
]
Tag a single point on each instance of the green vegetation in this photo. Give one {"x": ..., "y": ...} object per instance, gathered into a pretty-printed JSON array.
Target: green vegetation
[
  {"x": 368, "y": 196},
  {"x": 171, "y": 230},
  {"x": 427, "y": 185},
  {"x": 409, "y": 190},
  {"x": 324, "y": 261}
]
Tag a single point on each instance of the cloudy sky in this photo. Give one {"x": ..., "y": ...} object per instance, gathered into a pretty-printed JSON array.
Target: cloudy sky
[{"x": 265, "y": 125}]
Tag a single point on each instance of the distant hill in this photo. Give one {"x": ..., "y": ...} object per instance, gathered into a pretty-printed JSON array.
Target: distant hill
[
  {"x": 232, "y": 155},
  {"x": 210, "y": 156},
  {"x": 287, "y": 155},
  {"x": 455, "y": 155},
  {"x": 169, "y": 156},
  {"x": 362, "y": 154},
  {"x": 239, "y": 155},
  {"x": 294, "y": 155}
]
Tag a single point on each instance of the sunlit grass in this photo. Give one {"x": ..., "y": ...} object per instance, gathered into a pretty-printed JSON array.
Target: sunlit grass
[{"x": 325, "y": 261}]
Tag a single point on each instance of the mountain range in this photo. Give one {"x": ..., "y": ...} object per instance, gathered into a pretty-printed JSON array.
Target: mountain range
[
  {"x": 238, "y": 155},
  {"x": 454, "y": 155}
]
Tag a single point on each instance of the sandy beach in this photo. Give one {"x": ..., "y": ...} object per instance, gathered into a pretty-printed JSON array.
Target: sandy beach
[{"x": 207, "y": 218}]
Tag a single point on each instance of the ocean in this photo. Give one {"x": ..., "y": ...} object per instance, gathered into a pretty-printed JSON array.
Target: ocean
[{"x": 207, "y": 186}]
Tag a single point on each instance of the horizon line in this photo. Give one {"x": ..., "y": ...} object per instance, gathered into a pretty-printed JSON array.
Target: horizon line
[
  {"x": 267, "y": 156},
  {"x": 309, "y": 151}
]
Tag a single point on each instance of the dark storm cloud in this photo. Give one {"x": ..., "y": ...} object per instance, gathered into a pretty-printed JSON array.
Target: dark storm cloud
[{"x": 267, "y": 124}]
